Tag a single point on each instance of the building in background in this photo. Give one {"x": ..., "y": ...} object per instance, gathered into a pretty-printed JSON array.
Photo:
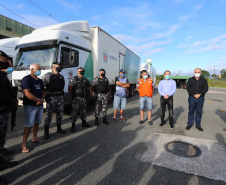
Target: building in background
[{"x": 11, "y": 28}]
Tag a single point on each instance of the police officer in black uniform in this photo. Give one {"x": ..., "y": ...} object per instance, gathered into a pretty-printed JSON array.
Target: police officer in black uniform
[
  {"x": 100, "y": 85},
  {"x": 78, "y": 88},
  {"x": 54, "y": 83},
  {"x": 6, "y": 103}
]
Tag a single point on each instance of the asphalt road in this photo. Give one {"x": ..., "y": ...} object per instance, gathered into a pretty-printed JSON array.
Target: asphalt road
[{"x": 108, "y": 155}]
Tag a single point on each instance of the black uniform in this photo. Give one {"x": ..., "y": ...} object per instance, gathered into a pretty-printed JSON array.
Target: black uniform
[
  {"x": 6, "y": 102},
  {"x": 79, "y": 92},
  {"x": 101, "y": 90},
  {"x": 54, "y": 84}
]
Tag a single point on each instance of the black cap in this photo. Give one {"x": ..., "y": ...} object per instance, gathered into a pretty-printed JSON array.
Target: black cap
[
  {"x": 57, "y": 63},
  {"x": 3, "y": 54},
  {"x": 102, "y": 69}
]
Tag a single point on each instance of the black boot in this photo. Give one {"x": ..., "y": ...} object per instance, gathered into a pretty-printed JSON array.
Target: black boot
[
  {"x": 46, "y": 133},
  {"x": 105, "y": 121},
  {"x": 96, "y": 122},
  {"x": 85, "y": 124},
  {"x": 73, "y": 128},
  {"x": 59, "y": 129},
  {"x": 6, "y": 164},
  {"x": 3, "y": 181}
]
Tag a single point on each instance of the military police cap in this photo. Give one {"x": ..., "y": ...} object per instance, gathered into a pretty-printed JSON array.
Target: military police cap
[
  {"x": 57, "y": 63},
  {"x": 3, "y": 54}
]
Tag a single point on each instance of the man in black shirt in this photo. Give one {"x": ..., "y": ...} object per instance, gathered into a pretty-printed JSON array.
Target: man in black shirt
[
  {"x": 6, "y": 104},
  {"x": 197, "y": 87}
]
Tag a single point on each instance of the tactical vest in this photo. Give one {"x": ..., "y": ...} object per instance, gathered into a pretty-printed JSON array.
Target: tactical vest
[
  {"x": 80, "y": 87},
  {"x": 6, "y": 96},
  {"x": 102, "y": 85},
  {"x": 56, "y": 83}
]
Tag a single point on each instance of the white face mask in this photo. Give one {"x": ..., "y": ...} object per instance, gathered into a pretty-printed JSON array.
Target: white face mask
[{"x": 197, "y": 75}]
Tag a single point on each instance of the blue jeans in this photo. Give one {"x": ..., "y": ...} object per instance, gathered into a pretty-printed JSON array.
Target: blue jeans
[
  {"x": 33, "y": 115},
  {"x": 146, "y": 100},
  {"x": 119, "y": 102},
  {"x": 195, "y": 105}
]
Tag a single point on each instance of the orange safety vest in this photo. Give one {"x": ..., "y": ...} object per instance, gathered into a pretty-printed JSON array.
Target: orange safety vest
[{"x": 145, "y": 88}]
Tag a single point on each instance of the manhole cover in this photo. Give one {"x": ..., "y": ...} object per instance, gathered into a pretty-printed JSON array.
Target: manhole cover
[{"x": 182, "y": 149}]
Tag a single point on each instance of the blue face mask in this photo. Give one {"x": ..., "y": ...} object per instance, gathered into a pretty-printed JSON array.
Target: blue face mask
[
  {"x": 38, "y": 73},
  {"x": 145, "y": 77},
  {"x": 122, "y": 75},
  {"x": 167, "y": 77},
  {"x": 9, "y": 70}
]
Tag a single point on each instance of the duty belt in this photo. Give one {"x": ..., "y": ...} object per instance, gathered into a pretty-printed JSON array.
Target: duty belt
[{"x": 55, "y": 93}]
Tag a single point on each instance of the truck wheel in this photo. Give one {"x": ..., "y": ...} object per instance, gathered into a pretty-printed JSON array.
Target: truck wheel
[
  {"x": 131, "y": 91},
  {"x": 127, "y": 92}
]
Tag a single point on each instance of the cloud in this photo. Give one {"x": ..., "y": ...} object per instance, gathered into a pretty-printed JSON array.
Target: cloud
[
  {"x": 171, "y": 30},
  {"x": 149, "y": 47},
  {"x": 70, "y": 5},
  {"x": 186, "y": 17},
  {"x": 218, "y": 43},
  {"x": 39, "y": 20},
  {"x": 197, "y": 43},
  {"x": 189, "y": 37},
  {"x": 178, "y": 1},
  {"x": 20, "y": 6}
]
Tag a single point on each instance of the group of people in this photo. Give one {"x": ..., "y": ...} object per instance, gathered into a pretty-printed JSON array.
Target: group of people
[
  {"x": 50, "y": 89},
  {"x": 197, "y": 87}
]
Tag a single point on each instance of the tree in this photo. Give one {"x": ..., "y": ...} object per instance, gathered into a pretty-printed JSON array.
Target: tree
[
  {"x": 223, "y": 73},
  {"x": 205, "y": 74},
  {"x": 159, "y": 77},
  {"x": 214, "y": 75}
]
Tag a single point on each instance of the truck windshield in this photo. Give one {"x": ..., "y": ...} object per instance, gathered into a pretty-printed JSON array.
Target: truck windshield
[{"x": 42, "y": 55}]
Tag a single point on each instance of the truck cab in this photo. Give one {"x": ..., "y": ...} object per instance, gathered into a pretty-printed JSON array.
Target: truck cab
[{"x": 67, "y": 43}]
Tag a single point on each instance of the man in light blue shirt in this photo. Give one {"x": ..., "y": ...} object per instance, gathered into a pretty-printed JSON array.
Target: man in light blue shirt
[{"x": 167, "y": 89}]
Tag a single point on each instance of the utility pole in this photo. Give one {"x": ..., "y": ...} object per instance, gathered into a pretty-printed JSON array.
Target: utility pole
[{"x": 213, "y": 75}]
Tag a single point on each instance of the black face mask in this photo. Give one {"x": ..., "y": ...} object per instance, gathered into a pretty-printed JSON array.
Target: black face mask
[
  {"x": 4, "y": 65},
  {"x": 81, "y": 72},
  {"x": 58, "y": 69},
  {"x": 102, "y": 74}
]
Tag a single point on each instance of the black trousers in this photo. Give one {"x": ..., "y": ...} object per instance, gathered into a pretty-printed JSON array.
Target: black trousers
[{"x": 169, "y": 103}]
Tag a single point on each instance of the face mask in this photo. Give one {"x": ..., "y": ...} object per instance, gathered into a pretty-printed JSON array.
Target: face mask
[
  {"x": 167, "y": 77},
  {"x": 9, "y": 70},
  {"x": 38, "y": 73},
  {"x": 58, "y": 69},
  {"x": 197, "y": 75},
  {"x": 145, "y": 77},
  {"x": 102, "y": 74},
  {"x": 122, "y": 75},
  {"x": 4, "y": 65},
  {"x": 81, "y": 72}
]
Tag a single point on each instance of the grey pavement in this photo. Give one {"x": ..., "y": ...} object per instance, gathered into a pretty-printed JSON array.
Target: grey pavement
[{"x": 110, "y": 155}]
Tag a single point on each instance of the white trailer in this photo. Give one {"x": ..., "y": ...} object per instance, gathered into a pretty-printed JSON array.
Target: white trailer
[{"x": 75, "y": 44}]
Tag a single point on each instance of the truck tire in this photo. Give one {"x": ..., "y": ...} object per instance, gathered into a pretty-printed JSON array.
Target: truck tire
[{"x": 131, "y": 90}]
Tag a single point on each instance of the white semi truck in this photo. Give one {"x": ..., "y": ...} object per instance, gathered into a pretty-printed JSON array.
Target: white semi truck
[
  {"x": 8, "y": 46},
  {"x": 75, "y": 44}
]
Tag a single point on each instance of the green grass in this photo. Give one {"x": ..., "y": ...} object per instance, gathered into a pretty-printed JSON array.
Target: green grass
[{"x": 217, "y": 83}]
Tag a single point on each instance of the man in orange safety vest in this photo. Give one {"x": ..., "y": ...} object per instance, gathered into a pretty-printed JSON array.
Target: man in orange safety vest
[{"x": 145, "y": 89}]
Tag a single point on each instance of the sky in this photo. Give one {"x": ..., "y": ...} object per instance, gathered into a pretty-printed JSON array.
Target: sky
[{"x": 178, "y": 35}]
